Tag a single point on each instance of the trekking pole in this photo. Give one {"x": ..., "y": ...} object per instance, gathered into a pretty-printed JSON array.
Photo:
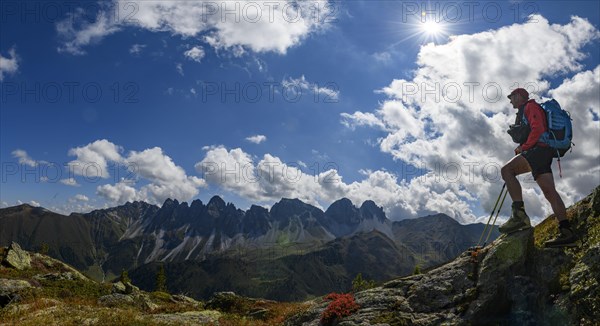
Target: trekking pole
[
  {"x": 492, "y": 214},
  {"x": 495, "y": 218}
]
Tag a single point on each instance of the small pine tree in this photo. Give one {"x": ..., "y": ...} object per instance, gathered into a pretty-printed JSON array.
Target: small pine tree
[
  {"x": 125, "y": 277},
  {"x": 161, "y": 279},
  {"x": 417, "y": 270},
  {"x": 359, "y": 284}
]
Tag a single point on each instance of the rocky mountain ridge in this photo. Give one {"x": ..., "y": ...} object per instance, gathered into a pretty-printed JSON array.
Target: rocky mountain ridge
[{"x": 217, "y": 240}]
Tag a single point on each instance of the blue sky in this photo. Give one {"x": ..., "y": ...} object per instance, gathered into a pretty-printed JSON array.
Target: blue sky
[{"x": 162, "y": 99}]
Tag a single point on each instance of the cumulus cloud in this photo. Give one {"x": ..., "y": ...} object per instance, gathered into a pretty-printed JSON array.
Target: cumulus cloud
[
  {"x": 70, "y": 182},
  {"x": 196, "y": 53},
  {"x": 9, "y": 65},
  {"x": 155, "y": 176},
  {"x": 269, "y": 179},
  {"x": 272, "y": 26},
  {"x": 80, "y": 197},
  {"x": 358, "y": 118},
  {"x": 266, "y": 180},
  {"x": 93, "y": 159},
  {"x": 451, "y": 116},
  {"x": 256, "y": 139},
  {"x": 35, "y": 203},
  {"x": 163, "y": 179},
  {"x": 119, "y": 193}
]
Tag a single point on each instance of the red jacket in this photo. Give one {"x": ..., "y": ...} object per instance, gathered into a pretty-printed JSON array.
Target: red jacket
[{"x": 537, "y": 122}]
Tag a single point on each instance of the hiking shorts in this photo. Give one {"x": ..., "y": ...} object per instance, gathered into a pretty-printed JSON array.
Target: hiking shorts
[{"x": 540, "y": 160}]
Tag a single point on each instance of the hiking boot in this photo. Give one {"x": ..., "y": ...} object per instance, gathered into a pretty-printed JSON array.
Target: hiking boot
[
  {"x": 566, "y": 238},
  {"x": 518, "y": 221}
]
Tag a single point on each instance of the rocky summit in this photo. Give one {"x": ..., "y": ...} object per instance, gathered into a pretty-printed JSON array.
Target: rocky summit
[{"x": 512, "y": 281}]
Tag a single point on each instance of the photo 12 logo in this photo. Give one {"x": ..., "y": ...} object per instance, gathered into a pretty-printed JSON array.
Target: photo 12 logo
[
  {"x": 454, "y": 92},
  {"x": 127, "y": 12},
  {"x": 449, "y": 12},
  {"x": 68, "y": 92},
  {"x": 65, "y": 172},
  {"x": 253, "y": 92}
]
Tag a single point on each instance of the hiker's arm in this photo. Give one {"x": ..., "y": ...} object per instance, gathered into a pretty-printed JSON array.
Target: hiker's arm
[{"x": 536, "y": 117}]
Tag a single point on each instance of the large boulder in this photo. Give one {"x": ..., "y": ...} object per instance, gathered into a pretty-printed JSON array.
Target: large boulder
[
  {"x": 10, "y": 289},
  {"x": 17, "y": 257},
  {"x": 502, "y": 277}
]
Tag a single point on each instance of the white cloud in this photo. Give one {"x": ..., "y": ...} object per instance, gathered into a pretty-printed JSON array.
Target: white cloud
[
  {"x": 272, "y": 26},
  {"x": 196, "y": 53},
  {"x": 80, "y": 197},
  {"x": 256, "y": 139},
  {"x": 165, "y": 180},
  {"x": 120, "y": 192},
  {"x": 136, "y": 49},
  {"x": 361, "y": 119},
  {"x": 93, "y": 158},
  {"x": 76, "y": 32},
  {"x": 383, "y": 57},
  {"x": 270, "y": 179},
  {"x": 70, "y": 182},
  {"x": 267, "y": 180},
  {"x": 4, "y": 204},
  {"x": 443, "y": 121},
  {"x": 76, "y": 205},
  {"x": 9, "y": 66},
  {"x": 31, "y": 202},
  {"x": 24, "y": 158},
  {"x": 179, "y": 68},
  {"x": 299, "y": 87}
]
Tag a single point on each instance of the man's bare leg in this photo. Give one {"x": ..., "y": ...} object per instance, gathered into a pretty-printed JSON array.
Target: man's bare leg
[{"x": 516, "y": 166}]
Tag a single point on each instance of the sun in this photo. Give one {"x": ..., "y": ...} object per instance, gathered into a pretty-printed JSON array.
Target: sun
[{"x": 432, "y": 28}]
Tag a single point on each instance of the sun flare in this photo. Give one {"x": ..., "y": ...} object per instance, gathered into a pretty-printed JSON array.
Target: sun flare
[{"x": 432, "y": 28}]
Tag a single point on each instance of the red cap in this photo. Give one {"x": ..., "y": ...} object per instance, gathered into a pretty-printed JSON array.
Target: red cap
[{"x": 520, "y": 91}]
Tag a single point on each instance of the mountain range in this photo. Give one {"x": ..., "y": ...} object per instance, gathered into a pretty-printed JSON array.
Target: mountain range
[{"x": 291, "y": 251}]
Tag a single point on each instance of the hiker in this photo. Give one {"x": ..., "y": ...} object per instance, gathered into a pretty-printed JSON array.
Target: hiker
[{"x": 535, "y": 156}]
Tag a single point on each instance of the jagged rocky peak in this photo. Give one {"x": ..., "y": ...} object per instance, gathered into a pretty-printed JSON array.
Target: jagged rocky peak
[
  {"x": 286, "y": 208},
  {"x": 343, "y": 211},
  {"x": 170, "y": 203},
  {"x": 196, "y": 204},
  {"x": 257, "y": 210},
  {"x": 256, "y": 221},
  {"x": 216, "y": 202},
  {"x": 370, "y": 210}
]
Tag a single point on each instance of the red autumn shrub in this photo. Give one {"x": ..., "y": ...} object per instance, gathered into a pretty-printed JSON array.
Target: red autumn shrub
[{"x": 341, "y": 305}]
